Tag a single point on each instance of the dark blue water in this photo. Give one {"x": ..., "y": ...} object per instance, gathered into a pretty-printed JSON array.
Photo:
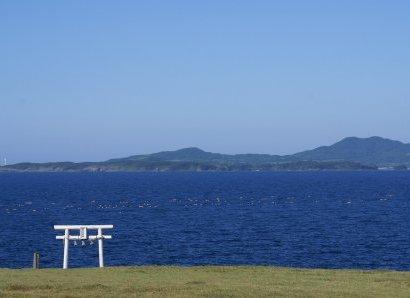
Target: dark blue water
[{"x": 299, "y": 219}]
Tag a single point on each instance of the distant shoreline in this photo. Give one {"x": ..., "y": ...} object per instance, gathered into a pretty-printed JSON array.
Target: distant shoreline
[{"x": 186, "y": 167}]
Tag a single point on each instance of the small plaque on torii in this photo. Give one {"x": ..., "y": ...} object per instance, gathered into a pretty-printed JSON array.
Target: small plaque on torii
[{"x": 83, "y": 235}]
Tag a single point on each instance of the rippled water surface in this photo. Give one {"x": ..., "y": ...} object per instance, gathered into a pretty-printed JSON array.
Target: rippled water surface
[{"x": 300, "y": 219}]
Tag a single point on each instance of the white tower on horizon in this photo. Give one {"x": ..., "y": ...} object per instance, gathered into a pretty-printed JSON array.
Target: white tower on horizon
[{"x": 5, "y": 162}]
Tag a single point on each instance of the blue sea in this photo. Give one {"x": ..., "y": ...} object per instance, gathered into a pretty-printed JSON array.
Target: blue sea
[{"x": 294, "y": 219}]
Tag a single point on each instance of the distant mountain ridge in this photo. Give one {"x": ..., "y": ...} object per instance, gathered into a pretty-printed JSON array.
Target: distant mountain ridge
[
  {"x": 370, "y": 151},
  {"x": 351, "y": 153}
]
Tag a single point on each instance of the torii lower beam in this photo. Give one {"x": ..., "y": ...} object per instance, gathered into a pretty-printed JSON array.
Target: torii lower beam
[{"x": 83, "y": 236}]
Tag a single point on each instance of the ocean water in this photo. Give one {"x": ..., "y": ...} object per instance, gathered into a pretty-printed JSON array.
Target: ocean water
[{"x": 295, "y": 219}]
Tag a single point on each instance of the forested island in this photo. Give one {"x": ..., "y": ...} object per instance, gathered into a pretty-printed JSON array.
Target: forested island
[{"x": 348, "y": 154}]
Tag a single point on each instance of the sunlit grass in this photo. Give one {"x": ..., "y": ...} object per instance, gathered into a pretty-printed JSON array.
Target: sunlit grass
[{"x": 203, "y": 281}]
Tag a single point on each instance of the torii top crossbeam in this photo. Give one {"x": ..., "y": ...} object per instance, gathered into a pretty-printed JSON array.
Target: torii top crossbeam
[{"x": 77, "y": 227}]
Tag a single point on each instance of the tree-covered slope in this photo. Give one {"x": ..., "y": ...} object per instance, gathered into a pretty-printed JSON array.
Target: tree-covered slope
[{"x": 374, "y": 150}]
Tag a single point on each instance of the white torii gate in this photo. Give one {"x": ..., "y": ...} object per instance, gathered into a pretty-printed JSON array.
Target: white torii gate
[{"x": 83, "y": 235}]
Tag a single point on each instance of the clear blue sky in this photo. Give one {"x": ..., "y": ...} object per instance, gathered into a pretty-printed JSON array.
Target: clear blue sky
[{"x": 92, "y": 80}]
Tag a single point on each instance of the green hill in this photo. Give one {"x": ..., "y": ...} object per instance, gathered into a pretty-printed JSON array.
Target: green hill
[
  {"x": 194, "y": 154},
  {"x": 374, "y": 150}
]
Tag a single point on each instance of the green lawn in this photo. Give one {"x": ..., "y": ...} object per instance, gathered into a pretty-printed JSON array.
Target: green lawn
[{"x": 203, "y": 281}]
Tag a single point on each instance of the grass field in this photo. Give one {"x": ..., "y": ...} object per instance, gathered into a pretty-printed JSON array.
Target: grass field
[{"x": 203, "y": 281}]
